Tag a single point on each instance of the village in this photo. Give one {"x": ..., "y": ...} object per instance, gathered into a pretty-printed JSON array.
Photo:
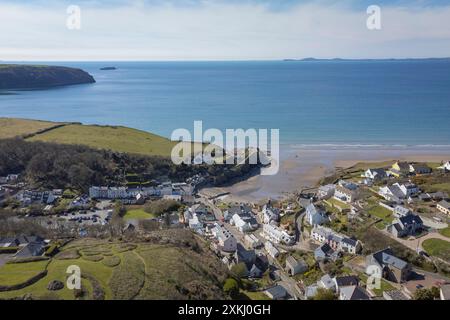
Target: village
[{"x": 311, "y": 245}]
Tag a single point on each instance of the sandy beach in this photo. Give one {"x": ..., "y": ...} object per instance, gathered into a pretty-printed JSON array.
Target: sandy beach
[{"x": 303, "y": 166}]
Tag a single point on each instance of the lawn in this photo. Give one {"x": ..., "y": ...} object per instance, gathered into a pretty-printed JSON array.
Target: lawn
[
  {"x": 138, "y": 214},
  {"x": 10, "y": 127},
  {"x": 381, "y": 213},
  {"x": 119, "y": 139},
  {"x": 445, "y": 232},
  {"x": 255, "y": 295},
  {"x": 15, "y": 273},
  {"x": 338, "y": 203},
  {"x": 438, "y": 248}
]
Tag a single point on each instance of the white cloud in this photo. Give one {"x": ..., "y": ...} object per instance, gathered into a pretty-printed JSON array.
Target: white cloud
[{"x": 220, "y": 31}]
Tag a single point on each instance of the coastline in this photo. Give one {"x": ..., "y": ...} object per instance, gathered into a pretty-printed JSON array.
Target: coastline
[{"x": 302, "y": 167}]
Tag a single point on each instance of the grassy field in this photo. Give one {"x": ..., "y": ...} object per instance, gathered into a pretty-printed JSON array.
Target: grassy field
[
  {"x": 438, "y": 248},
  {"x": 15, "y": 273},
  {"x": 10, "y": 128},
  {"x": 138, "y": 214},
  {"x": 118, "y": 270},
  {"x": 119, "y": 139},
  {"x": 445, "y": 232},
  {"x": 336, "y": 202},
  {"x": 381, "y": 213}
]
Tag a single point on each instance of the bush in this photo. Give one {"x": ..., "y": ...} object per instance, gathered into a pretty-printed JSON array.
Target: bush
[
  {"x": 93, "y": 258},
  {"x": 159, "y": 207},
  {"x": 231, "y": 288},
  {"x": 8, "y": 250},
  {"x": 324, "y": 294},
  {"x": 52, "y": 250},
  {"x": 111, "y": 261}
]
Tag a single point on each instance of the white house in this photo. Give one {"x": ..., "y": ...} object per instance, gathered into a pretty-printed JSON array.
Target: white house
[
  {"x": 194, "y": 223},
  {"x": 445, "y": 166},
  {"x": 252, "y": 241},
  {"x": 240, "y": 224},
  {"x": 400, "y": 211},
  {"x": 315, "y": 216},
  {"x": 335, "y": 240},
  {"x": 443, "y": 207},
  {"x": 346, "y": 192},
  {"x": 271, "y": 250},
  {"x": 278, "y": 235},
  {"x": 326, "y": 192},
  {"x": 270, "y": 215},
  {"x": 227, "y": 242},
  {"x": 375, "y": 174}
]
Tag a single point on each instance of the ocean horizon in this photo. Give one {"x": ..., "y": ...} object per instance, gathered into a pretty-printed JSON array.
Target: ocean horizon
[{"x": 335, "y": 104}]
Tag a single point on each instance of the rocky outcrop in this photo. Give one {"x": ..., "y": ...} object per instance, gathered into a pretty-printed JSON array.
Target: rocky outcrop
[{"x": 34, "y": 77}]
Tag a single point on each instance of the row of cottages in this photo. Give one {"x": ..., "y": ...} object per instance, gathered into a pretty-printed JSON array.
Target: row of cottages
[
  {"x": 443, "y": 207},
  {"x": 225, "y": 240},
  {"x": 271, "y": 249},
  {"x": 9, "y": 179},
  {"x": 165, "y": 189},
  {"x": 252, "y": 241},
  {"x": 28, "y": 197},
  {"x": 403, "y": 169},
  {"x": 346, "y": 287},
  {"x": 397, "y": 192},
  {"x": 270, "y": 215},
  {"x": 390, "y": 267},
  {"x": 335, "y": 240},
  {"x": 315, "y": 215},
  {"x": 278, "y": 235},
  {"x": 347, "y": 192}
]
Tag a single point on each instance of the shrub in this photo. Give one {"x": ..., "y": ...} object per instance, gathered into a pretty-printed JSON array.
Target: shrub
[
  {"x": 52, "y": 250},
  {"x": 93, "y": 258},
  {"x": 231, "y": 288},
  {"x": 112, "y": 262}
]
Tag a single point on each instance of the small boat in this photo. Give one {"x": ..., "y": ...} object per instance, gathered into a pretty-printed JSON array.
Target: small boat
[{"x": 108, "y": 68}]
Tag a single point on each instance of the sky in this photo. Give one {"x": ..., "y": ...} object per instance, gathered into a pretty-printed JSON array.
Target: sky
[{"x": 36, "y": 30}]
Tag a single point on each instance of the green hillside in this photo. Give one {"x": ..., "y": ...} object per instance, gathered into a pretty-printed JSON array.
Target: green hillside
[
  {"x": 115, "y": 138},
  {"x": 10, "y": 127},
  {"x": 183, "y": 268},
  {"x": 119, "y": 139}
]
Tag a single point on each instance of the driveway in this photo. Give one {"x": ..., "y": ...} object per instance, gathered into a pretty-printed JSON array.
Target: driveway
[{"x": 415, "y": 244}]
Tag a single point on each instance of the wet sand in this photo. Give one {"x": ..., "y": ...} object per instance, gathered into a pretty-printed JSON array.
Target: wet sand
[{"x": 302, "y": 167}]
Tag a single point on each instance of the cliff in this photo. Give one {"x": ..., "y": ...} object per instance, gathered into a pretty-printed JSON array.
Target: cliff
[{"x": 30, "y": 77}]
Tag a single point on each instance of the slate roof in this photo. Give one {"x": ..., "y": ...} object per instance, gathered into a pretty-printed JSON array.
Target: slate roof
[
  {"x": 355, "y": 293},
  {"x": 445, "y": 204},
  {"x": 410, "y": 219},
  {"x": 277, "y": 291},
  {"x": 386, "y": 257},
  {"x": 347, "y": 281}
]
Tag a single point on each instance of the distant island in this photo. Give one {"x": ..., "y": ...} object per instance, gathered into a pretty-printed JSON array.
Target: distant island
[
  {"x": 389, "y": 59},
  {"x": 13, "y": 76},
  {"x": 108, "y": 68}
]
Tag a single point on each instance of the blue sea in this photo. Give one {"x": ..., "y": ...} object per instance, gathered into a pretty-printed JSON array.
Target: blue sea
[{"x": 385, "y": 103}]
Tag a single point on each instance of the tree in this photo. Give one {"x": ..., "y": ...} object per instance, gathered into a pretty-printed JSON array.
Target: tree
[
  {"x": 324, "y": 294},
  {"x": 426, "y": 294},
  {"x": 231, "y": 288},
  {"x": 239, "y": 270}
]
